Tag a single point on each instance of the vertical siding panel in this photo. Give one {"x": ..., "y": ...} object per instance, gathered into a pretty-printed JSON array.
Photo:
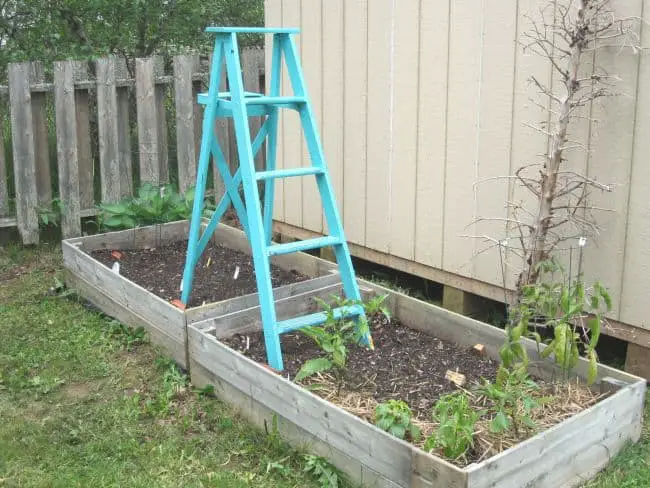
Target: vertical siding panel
[
  {"x": 380, "y": 27},
  {"x": 528, "y": 145},
  {"x": 462, "y": 134},
  {"x": 355, "y": 120},
  {"x": 432, "y": 127},
  {"x": 311, "y": 23},
  {"x": 495, "y": 128},
  {"x": 291, "y": 128},
  {"x": 405, "y": 118},
  {"x": 611, "y": 154},
  {"x": 273, "y": 18},
  {"x": 636, "y": 278},
  {"x": 333, "y": 96}
]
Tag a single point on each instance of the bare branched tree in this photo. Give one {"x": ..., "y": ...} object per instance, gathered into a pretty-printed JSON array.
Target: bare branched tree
[{"x": 569, "y": 34}]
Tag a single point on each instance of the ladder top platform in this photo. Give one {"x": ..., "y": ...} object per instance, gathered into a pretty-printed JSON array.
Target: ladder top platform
[{"x": 253, "y": 30}]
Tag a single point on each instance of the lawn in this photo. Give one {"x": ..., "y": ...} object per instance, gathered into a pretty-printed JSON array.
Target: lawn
[{"x": 86, "y": 402}]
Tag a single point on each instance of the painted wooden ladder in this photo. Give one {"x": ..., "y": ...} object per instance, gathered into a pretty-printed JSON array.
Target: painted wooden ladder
[{"x": 257, "y": 225}]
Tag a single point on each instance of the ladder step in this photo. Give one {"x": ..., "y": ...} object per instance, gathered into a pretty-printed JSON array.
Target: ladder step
[
  {"x": 287, "y": 173},
  {"x": 305, "y": 245},
  {"x": 278, "y": 101},
  {"x": 317, "y": 318}
]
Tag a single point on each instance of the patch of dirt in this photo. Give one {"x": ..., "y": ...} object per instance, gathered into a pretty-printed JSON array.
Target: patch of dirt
[
  {"x": 406, "y": 364},
  {"x": 160, "y": 271},
  {"x": 78, "y": 392}
]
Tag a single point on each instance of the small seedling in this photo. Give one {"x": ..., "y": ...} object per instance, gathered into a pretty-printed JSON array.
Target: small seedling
[
  {"x": 394, "y": 416},
  {"x": 327, "y": 475},
  {"x": 456, "y": 419}
]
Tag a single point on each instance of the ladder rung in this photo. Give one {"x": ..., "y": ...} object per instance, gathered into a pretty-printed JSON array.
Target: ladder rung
[
  {"x": 318, "y": 318},
  {"x": 203, "y": 97},
  {"x": 287, "y": 173},
  {"x": 275, "y": 101},
  {"x": 305, "y": 245}
]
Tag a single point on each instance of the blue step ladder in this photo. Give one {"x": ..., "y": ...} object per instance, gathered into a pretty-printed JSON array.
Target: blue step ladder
[{"x": 257, "y": 224}]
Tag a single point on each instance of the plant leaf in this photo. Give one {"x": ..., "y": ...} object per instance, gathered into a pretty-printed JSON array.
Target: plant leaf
[{"x": 313, "y": 366}]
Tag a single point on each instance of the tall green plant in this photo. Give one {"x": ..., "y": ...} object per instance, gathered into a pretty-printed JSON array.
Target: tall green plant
[{"x": 573, "y": 312}]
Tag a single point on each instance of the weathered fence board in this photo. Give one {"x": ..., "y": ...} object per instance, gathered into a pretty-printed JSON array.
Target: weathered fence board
[
  {"x": 4, "y": 187},
  {"x": 66, "y": 142},
  {"x": 84, "y": 149},
  {"x": 187, "y": 155},
  {"x": 41, "y": 153},
  {"x": 107, "y": 120},
  {"x": 22, "y": 135}
]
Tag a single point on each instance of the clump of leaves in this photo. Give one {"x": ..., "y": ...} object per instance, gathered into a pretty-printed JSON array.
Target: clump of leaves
[
  {"x": 573, "y": 312},
  {"x": 327, "y": 475},
  {"x": 129, "y": 336},
  {"x": 512, "y": 400},
  {"x": 456, "y": 420},
  {"x": 394, "y": 416},
  {"x": 333, "y": 337},
  {"x": 153, "y": 205},
  {"x": 50, "y": 215},
  {"x": 375, "y": 305}
]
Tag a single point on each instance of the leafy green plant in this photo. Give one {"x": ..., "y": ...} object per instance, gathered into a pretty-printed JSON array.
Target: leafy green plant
[
  {"x": 375, "y": 305},
  {"x": 153, "y": 205},
  {"x": 512, "y": 400},
  {"x": 394, "y": 416},
  {"x": 130, "y": 336},
  {"x": 327, "y": 475},
  {"x": 455, "y": 433},
  {"x": 50, "y": 215},
  {"x": 333, "y": 337},
  {"x": 573, "y": 313}
]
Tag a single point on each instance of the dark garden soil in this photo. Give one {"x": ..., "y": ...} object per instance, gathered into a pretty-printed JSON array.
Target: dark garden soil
[
  {"x": 405, "y": 365},
  {"x": 160, "y": 271}
]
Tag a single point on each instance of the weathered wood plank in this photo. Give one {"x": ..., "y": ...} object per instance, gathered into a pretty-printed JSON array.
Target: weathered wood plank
[
  {"x": 107, "y": 121},
  {"x": 84, "y": 151},
  {"x": 66, "y": 145},
  {"x": 22, "y": 131},
  {"x": 41, "y": 143},
  {"x": 161, "y": 114},
  {"x": 4, "y": 184},
  {"x": 151, "y": 236},
  {"x": 228, "y": 147},
  {"x": 184, "y": 67},
  {"x": 123, "y": 95},
  {"x": 107, "y": 304},
  {"x": 540, "y": 461},
  {"x": 153, "y": 162}
]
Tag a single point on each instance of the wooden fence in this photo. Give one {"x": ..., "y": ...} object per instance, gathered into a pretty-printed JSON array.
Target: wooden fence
[{"x": 92, "y": 132}]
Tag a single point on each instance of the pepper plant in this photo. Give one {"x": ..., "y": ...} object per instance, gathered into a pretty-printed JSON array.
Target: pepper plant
[
  {"x": 456, "y": 420},
  {"x": 395, "y": 417}
]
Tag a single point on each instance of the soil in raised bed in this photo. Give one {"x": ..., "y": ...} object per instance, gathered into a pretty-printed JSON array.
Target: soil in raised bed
[
  {"x": 405, "y": 365},
  {"x": 160, "y": 271}
]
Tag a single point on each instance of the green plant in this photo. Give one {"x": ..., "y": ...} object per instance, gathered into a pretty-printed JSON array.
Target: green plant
[
  {"x": 573, "y": 313},
  {"x": 333, "y": 338},
  {"x": 456, "y": 421},
  {"x": 512, "y": 400},
  {"x": 327, "y": 475},
  {"x": 50, "y": 215},
  {"x": 394, "y": 416},
  {"x": 153, "y": 205},
  {"x": 375, "y": 305},
  {"x": 129, "y": 336}
]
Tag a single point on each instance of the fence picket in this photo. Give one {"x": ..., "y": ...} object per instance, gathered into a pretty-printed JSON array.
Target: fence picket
[
  {"x": 22, "y": 135},
  {"x": 84, "y": 152},
  {"x": 108, "y": 130},
  {"x": 252, "y": 60},
  {"x": 4, "y": 187},
  {"x": 123, "y": 130},
  {"x": 184, "y": 67},
  {"x": 66, "y": 144},
  {"x": 41, "y": 143}
]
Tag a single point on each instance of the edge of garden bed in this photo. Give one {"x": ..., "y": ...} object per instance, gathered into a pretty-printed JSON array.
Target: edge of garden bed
[{"x": 586, "y": 441}]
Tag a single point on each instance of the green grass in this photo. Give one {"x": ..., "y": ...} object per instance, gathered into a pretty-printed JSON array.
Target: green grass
[
  {"x": 79, "y": 407},
  {"x": 84, "y": 403}
]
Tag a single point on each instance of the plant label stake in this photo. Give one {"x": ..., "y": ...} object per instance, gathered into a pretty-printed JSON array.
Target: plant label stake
[{"x": 255, "y": 220}]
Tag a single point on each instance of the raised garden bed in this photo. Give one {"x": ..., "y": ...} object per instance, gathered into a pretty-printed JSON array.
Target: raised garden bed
[
  {"x": 432, "y": 340},
  {"x": 151, "y": 261}
]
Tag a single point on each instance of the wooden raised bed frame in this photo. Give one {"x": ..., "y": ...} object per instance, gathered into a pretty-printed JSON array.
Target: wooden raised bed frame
[
  {"x": 564, "y": 456},
  {"x": 166, "y": 324}
]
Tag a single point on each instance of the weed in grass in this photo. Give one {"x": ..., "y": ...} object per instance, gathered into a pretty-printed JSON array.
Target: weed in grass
[{"x": 327, "y": 475}]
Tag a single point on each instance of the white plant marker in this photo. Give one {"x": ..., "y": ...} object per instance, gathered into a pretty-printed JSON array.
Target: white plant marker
[
  {"x": 248, "y": 343},
  {"x": 236, "y": 275},
  {"x": 181, "y": 285},
  {"x": 116, "y": 267},
  {"x": 582, "y": 242}
]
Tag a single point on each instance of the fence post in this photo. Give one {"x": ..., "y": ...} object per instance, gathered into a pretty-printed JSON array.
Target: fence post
[
  {"x": 66, "y": 145},
  {"x": 151, "y": 141},
  {"x": 109, "y": 165},
  {"x": 184, "y": 67},
  {"x": 22, "y": 130},
  {"x": 123, "y": 129},
  {"x": 41, "y": 143}
]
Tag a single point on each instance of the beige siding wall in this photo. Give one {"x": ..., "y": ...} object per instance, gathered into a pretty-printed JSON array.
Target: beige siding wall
[{"x": 418, "y": 101}]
